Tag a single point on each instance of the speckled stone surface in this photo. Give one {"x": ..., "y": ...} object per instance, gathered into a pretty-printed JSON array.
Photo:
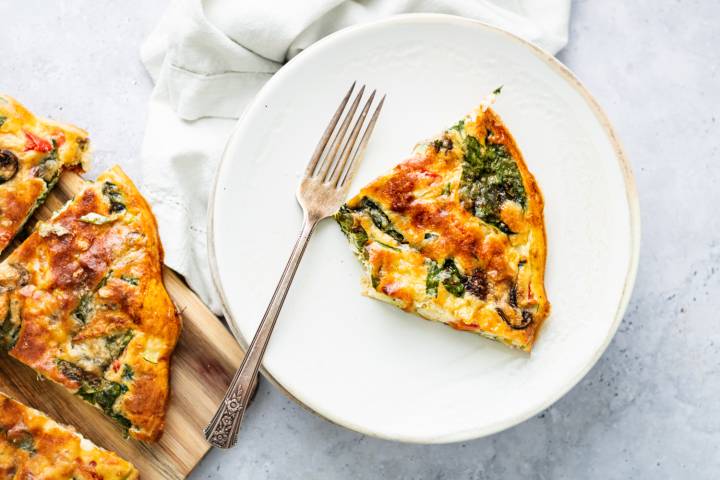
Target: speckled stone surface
[{"x": 649, "y": 408}]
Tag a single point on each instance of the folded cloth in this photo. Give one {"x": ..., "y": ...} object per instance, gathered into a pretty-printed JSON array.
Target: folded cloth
[{"x": 209, "y": 58}]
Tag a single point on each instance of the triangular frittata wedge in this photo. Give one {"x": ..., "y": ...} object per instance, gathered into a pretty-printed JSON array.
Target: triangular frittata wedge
[
  {"x": 33, "y": 154},
  {"x": 34, "y": 446},
  {"x": 455, "y": 233},
  {"x": 84, "y": 304}
]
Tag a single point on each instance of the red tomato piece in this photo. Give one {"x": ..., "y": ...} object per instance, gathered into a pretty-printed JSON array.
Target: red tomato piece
[{"x": 33, "y": 142}]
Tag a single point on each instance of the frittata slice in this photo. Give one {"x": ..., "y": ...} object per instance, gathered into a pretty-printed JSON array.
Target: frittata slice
[
  {"x": 84, "y": 304},
  {"x": 33, "y": 154},
  {"x": 455, "y": 233},
  {"x": 32, "y": 446}
]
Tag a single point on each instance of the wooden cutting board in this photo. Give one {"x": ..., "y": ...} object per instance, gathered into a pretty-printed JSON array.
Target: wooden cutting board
[{"x": 202, "y": 366}]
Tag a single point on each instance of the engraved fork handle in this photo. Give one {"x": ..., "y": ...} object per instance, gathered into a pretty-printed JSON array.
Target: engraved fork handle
[{"x": 223, "y": 428}]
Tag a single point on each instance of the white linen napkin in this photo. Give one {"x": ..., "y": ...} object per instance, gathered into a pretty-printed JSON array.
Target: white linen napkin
[{"x": 208, "y": 58}]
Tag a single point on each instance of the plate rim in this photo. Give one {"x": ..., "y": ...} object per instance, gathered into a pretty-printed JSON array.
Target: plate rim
[{"x": 631, "y": 197}]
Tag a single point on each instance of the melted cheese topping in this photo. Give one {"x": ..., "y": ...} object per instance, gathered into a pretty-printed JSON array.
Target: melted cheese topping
[
  {"x": 84, "y": 304},
  {"x": 425, "y": 251},
  {"x": 42, "y": 149},
  {"x": 34, "y": 446}
]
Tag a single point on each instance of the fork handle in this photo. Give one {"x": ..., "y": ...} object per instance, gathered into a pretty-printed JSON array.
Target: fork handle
[{"x": 223, "y": 428}]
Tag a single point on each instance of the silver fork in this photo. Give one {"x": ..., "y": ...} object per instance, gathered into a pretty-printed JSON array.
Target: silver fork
[{"x": 321, "y": 192}]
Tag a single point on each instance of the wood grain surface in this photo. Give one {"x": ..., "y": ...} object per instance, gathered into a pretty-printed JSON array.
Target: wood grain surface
[{"x": 202, "y": 366}]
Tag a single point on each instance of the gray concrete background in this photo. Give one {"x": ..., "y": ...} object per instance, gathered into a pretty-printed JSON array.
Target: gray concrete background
[{"x": 649, "y": 408}]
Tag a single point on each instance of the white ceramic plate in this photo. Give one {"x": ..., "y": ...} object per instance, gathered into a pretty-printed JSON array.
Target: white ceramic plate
[{"x": 369, "y": 366}]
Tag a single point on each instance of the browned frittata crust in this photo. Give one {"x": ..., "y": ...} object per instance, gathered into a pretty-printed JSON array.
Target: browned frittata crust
[
  {"x": 32, "y": 446},
  {"x": 84, "y": 304},
  {"x": 455, "y": 233}
]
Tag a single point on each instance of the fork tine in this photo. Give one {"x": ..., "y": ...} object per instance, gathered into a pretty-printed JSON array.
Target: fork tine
[
  {"x": 334, "y": 174},
  {"x": 327, "y": 134},
  {"x": 331, "y": 156},
  {"x": 360, "y": 152}
]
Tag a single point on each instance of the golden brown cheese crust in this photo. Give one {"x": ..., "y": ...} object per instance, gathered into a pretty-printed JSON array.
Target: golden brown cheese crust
[
  {"x": 33, "y": 154},
  {"x": 32, "y": 446},
  {"x": 433, "y": 254},
  {"x": 84, "y": 304}
]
